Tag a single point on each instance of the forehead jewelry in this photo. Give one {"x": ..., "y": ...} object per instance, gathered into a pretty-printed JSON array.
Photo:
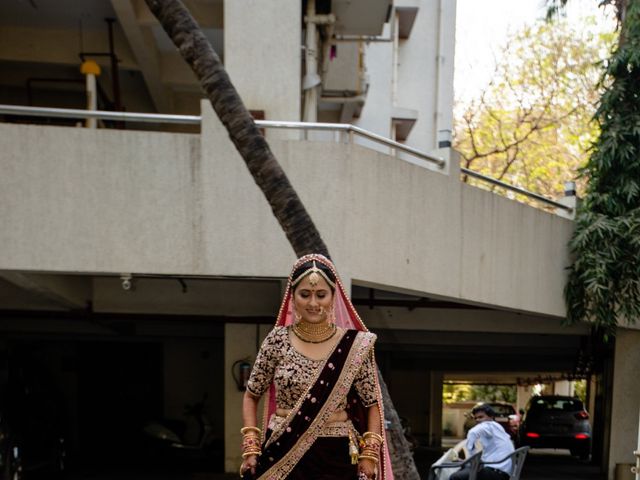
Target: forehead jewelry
[{"x": 314, "y": 274}]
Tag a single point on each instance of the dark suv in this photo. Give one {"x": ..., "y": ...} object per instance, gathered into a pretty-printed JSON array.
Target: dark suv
[{"x": 554, "y": 421}]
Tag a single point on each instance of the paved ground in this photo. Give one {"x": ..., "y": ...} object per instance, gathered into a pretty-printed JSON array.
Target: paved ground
[
  {"x": 547, "y": 464},
  {"x": 543, "y": 464}
]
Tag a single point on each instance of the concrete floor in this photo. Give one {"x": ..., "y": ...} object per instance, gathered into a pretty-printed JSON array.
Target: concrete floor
[
  {"x": 549, "y": 464},
  {"x": 540, "y": 464},
  {"x": 544, "y": 464}
]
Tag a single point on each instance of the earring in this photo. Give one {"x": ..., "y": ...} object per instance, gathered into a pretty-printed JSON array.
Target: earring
[
  {"x": 331, "y": 315},
  {"x": 297, "y": 316}
]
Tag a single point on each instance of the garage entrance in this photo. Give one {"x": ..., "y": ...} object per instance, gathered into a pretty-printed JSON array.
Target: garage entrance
[{"x": 419, "y": 364}]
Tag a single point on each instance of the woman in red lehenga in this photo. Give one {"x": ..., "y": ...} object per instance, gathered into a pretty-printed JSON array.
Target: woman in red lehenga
[{"x": 323, "y": 413}]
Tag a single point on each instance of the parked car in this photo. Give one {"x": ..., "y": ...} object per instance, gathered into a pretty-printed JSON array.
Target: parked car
[
  {"x": 506, "y": 416},
  {"x": 555, "y": 421}
]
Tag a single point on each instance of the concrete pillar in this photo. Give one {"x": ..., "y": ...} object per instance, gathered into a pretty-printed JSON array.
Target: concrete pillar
[
  {"x": 262, "y": 53},
  {"x": 435, "y": 408},
  {"x": 625, "y": 400},
  {"x": 592, "y": 386},
  {"x": 523, "y": 394},
  {"x": 239, "y": 342}
]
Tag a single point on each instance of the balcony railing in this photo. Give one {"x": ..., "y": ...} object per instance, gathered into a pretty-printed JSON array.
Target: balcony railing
[{"x": 349, "y": 129}]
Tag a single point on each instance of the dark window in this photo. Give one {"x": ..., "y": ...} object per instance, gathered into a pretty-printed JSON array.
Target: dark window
[
  {"x": 503, "y": 410},
  {"x": 556, "y": 404}
]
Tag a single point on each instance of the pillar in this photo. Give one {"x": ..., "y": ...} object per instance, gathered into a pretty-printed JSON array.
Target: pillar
[
  {"x": 239, "y": 343},
  {"x": 435, "y": 407},
  {"x": 625, "y": 400}
]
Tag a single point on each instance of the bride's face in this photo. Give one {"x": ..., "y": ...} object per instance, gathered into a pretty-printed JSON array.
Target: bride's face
[{"x": 313, "y": 302}]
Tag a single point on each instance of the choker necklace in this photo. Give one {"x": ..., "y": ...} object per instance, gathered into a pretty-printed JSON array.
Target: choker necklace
[{"x": 314, "y": 332}]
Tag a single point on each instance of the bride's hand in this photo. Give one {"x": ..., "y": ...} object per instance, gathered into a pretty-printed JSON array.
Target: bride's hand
[
  {"x": 368, "y": 467},
  {"x": 249, "y": 463}
]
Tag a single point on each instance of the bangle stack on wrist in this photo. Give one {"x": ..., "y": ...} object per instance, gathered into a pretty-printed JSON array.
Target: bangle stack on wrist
[
  {"x": 251, "y": 441},
  {"x": 371, "y": 448}
]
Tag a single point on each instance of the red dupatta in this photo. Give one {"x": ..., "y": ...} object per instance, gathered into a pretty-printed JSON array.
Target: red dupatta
[{"x": 347, "y": 318}]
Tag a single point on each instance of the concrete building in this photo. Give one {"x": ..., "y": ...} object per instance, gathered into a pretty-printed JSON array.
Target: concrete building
[{"x": 139, "y": 263}]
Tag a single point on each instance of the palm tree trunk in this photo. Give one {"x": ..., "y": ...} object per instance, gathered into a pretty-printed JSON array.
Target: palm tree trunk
[{"x": 266, "y": 171}]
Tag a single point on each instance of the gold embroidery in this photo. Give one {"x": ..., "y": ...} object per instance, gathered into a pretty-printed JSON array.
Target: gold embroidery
[
  {"x": 293, "y": 373},
  {"x": 357, "y": 354}
]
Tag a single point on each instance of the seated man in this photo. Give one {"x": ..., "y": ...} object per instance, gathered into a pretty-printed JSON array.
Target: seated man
[{"x": 496, "y": 445}]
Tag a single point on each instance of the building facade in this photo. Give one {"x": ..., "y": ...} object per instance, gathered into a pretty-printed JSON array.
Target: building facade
[{"x": 147, "y": 251}]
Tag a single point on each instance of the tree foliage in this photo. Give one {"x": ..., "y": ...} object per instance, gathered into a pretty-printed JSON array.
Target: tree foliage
[
  {"x": 532, "y": 125},
  {"x": 482, "y": 393},
  {"x": 604, "y": 279}
]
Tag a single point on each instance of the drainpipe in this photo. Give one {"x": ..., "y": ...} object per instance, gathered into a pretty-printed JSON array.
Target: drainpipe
[
  {"x": 311, "y": 81},
  {"x": 439, "y": 62},
  {"x": 311, "y": 78},
  {"x": 91, "y": 70}
]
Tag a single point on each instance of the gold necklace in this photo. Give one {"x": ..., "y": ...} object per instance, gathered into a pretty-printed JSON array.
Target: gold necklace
[{"x": 314, "y": 332}]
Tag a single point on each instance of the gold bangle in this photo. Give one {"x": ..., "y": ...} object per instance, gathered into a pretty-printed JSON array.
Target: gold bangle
[
  {"x": 244, "y": 430},
  {"x": 257, "y": 453},
  {"x": 250, "y": 440},
  {"x": 370, "y": 454},
  {"x": 373, "y": 435},
  {"x": 369, "y": 457}
]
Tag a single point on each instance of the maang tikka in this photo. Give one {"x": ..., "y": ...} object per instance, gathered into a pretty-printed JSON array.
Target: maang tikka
[{"x": 314, "y": 274}]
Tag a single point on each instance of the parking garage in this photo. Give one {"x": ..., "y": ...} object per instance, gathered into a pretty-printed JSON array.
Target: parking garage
[{"x": 150, "y": 354}]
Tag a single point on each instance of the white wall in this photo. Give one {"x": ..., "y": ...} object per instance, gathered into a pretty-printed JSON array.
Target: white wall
[
  {"x": 415, "y": 74},
  {"x": 263, "y": 56},
  {"x": 75, "y": 200}
]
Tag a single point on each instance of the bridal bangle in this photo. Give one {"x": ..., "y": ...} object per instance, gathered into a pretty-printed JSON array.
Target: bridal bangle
[
  {"x": 250, "y": 441},
  {"x": 371, "y": 447}
]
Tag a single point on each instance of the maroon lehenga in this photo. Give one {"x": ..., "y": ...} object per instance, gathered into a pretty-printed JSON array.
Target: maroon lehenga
[{"x": 303, "y": 445}]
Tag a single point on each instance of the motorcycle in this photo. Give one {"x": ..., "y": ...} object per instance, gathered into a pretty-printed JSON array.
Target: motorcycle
[{"x": 192, "y": 438}]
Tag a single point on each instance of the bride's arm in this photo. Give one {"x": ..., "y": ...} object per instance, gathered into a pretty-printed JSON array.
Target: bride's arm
[{"x": 249, "y": 419}]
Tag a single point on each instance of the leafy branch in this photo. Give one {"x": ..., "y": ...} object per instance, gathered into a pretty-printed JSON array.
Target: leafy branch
[{"x": 604, "y": 279}]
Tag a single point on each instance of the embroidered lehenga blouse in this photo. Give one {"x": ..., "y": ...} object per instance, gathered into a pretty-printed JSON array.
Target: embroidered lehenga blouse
[{"x": 291, "y": 372}]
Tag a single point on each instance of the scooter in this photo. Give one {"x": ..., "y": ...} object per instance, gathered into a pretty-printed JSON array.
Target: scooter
[{"x": 190, "y": 438}]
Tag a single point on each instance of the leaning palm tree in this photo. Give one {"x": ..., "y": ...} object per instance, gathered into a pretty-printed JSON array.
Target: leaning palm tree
[
  {"x": 250, "y": 143},
  {"x": 287, "y": 207}
]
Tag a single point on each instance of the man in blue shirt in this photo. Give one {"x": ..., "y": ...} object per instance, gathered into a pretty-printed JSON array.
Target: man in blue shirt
[{"x": 496, "y": 445}]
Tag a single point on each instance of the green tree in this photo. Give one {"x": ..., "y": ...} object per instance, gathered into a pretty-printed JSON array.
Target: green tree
[
  {"x": 287, "y": 207},
  {"x": 454, "y": 392},
  {"x": 580, "y": 390},
  {"x": 604, "y": 279},
  {"x": 532, "y": 125},
  {"x": 462, "y": 392}
]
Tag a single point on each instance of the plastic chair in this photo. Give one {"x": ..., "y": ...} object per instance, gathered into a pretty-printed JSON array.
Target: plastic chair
[
  {"x": 517, "y": 459},
  {"x": 473, "y": 463}
]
